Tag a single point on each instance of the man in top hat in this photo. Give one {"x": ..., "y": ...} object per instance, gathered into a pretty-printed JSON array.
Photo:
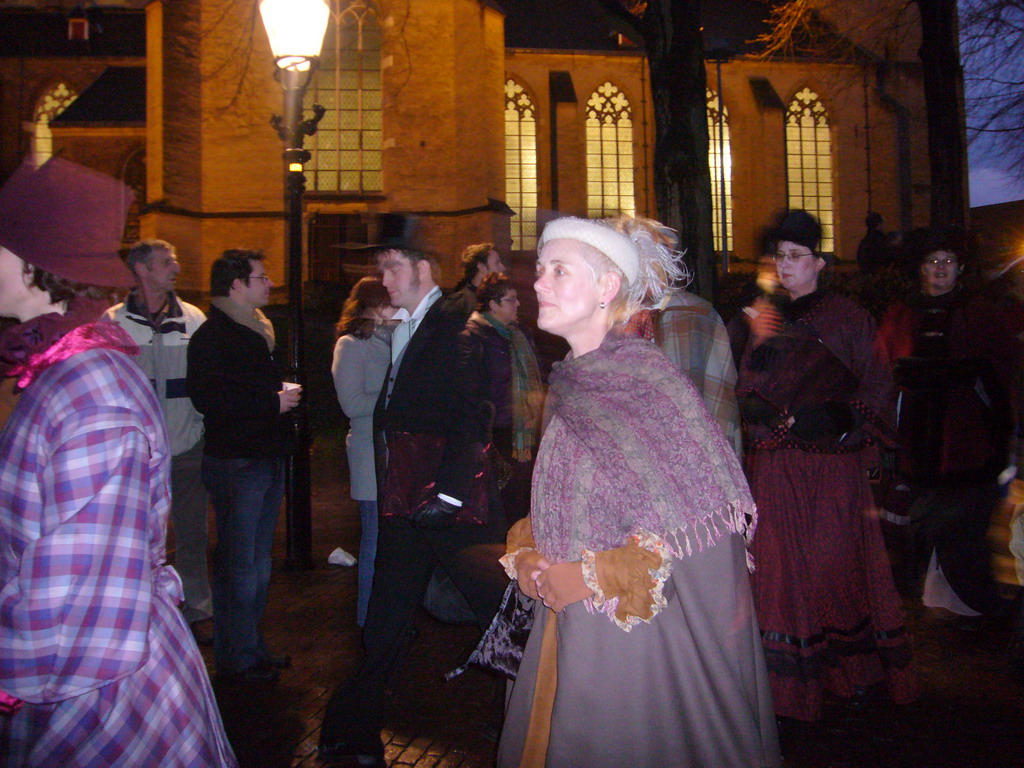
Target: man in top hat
[
  {"x": 162, "y": 324},
  {"x": 429, "y": 438}
]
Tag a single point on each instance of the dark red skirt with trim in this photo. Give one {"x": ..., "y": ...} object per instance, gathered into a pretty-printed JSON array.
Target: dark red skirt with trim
[{"x": 829, "y": 613}]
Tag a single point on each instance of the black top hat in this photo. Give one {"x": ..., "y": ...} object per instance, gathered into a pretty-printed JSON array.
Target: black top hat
[{"x": 396, "y": 232}]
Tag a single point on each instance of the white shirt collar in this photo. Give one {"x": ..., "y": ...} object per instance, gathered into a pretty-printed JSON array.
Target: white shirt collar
[{"x": 421, "y": 309}]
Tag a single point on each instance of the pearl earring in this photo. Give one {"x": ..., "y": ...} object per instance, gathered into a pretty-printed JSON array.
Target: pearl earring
[{"x": 602, "y": 305}]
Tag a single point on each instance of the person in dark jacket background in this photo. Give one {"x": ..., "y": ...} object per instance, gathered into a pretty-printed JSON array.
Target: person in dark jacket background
[
  {"x": 235, "y": 382},
  {"x": 503, "y": 366}
]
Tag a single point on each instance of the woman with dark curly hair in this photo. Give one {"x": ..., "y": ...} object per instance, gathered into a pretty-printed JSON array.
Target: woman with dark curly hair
[
  {"x": 98, "y": 666},
  {"x": 361, "y": 358}
]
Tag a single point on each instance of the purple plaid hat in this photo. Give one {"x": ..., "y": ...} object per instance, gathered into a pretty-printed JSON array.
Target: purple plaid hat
[{"x": 68, "y": 220}]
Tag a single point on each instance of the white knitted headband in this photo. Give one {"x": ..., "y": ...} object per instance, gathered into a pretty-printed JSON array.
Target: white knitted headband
[{"x": 616, "y": 246}]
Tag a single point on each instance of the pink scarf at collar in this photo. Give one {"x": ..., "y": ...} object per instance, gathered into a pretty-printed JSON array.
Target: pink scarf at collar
[
  {"x": 18, "y": 343},
  {"x": 100, "y": 335}
]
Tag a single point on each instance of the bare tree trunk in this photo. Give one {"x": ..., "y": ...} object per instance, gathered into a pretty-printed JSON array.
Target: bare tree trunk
[
  {"x": 682, "y": 179},
  {"x": 671, "y": 35},
  {"x": 944, "y": 99}
]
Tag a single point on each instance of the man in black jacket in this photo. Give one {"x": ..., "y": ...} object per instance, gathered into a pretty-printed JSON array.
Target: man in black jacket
[
  {"x": 234, "y": 381},
  {"x": 431, "y": 492}
]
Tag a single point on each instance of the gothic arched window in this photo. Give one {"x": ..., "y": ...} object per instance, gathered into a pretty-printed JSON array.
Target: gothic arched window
[
  {"x": 50, "y": 104},
  {"x": 809, "y": 161},
  {"x": 609, "y": 153},
  {"x": 521, "y": 164},
  {"x": 720, "y": 163},
  {"x": 346, "y": 149}
]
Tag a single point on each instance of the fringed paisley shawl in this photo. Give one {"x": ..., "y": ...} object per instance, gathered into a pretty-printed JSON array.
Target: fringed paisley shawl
[{"x": 637, "y": 454}]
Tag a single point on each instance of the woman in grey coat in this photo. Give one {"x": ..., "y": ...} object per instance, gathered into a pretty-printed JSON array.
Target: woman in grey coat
[{"x": 361, "y": 357}]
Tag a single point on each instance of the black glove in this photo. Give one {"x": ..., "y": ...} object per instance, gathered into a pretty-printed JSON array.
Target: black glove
[
  {"x": 819, "y": 422},
  {"x": 756, "y": 410},
  {"x": 434, "y": 514}
]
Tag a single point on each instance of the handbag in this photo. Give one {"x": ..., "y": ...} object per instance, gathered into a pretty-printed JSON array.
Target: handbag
[{"x": 501, "y": 647}]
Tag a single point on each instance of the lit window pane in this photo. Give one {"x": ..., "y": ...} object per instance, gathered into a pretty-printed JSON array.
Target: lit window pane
[
  {"x": 609, "y": 133},
  {"x": 809, "y": 160},
  {"x": 521, "y": 165},
  {"x": 50, "y": 104},
  {"x": 348, "y": 84}
]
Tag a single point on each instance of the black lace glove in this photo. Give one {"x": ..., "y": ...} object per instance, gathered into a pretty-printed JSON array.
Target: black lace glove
[
  {"x": 435, "y": 514},
  {"x": 820, "y": 422}
]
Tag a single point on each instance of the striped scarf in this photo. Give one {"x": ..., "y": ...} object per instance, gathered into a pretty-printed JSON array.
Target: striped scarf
[{"x": 527, "y": 392}]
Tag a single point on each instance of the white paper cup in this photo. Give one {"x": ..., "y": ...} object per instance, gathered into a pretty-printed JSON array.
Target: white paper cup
[{"x": 287, "y": 386}]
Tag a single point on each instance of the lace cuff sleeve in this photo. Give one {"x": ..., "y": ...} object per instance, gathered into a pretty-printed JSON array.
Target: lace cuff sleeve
[
  {"x": 628, "y": 581},
  {"x": 519, "y": 539}
]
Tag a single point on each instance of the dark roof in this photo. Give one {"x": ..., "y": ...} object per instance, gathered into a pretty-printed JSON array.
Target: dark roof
[
  {"x": 570, "y": 25},
  {"x": 117, "y": 96},
  {"x": 583, "y": 25},
  {"x": 34, "y": 33},
  {"x": 733, "y": 24}
]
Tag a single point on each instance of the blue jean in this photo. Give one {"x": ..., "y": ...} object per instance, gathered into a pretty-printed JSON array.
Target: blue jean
[
  {"x": 246, "y": 496},
  {"x": 367, "y": 553}
]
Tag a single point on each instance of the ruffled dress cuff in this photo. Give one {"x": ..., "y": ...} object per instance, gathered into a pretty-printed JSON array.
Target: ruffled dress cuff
[
  {"x": 628, "y": 582},
  {"x": 519, "y": 539},
  {"x": 508, "y": 561}
]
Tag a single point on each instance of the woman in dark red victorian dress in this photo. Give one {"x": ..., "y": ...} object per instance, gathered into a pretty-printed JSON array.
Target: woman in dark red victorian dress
[
  {"x": 814, "y": 396},
  {"x": 954, "y": 358}
]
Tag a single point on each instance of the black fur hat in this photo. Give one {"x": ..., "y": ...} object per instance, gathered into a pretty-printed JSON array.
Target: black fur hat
[{"x": 800, "y": 227}]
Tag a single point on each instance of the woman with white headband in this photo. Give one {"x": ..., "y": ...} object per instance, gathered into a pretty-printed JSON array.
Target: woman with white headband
[{"x": 644, "y": 650}]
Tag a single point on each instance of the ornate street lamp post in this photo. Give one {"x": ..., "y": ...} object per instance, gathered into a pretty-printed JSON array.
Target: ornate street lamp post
[{"x": 296, "y": 31}]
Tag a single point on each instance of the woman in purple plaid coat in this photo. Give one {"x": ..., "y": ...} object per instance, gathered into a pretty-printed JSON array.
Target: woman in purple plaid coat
[{"x": 97, "y": 664}]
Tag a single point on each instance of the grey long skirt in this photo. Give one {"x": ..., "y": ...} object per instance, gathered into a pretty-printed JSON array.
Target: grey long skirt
[{"x": 688, "y": 689}]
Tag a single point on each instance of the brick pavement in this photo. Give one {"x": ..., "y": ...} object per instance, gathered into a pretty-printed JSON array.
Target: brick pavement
[
  {"x": 311, "y": 616},
  {"x": 971, "y": 713}
]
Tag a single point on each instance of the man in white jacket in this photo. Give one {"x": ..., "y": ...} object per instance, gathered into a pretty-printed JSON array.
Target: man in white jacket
[{"x": 162, "y": 324}]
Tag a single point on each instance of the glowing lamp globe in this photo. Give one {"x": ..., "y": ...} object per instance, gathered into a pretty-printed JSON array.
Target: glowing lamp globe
[{"x": 296, "y": 30}]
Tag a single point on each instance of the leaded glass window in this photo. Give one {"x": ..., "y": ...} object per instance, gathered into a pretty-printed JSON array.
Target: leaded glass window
[
  {"x": 720, "y": 163},
  {"x": 50, "y": 104},
  {"x": 809, "y": 161},
  {"x": 521, "y": 164},
  {"x": 609, "y": 130},
  {"x": 346, "y": 149}
]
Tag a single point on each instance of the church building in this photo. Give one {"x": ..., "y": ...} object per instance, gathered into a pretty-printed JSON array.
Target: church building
[{"x": 483, "y": 117}]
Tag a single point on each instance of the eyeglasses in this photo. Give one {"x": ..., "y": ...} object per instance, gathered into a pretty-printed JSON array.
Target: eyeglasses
[
  {"x": 264, "y": 278},
  {"x": 511, "y": 299},
  {"x": 792, "y": 256},
  {"x": 946, "y": 262}
]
